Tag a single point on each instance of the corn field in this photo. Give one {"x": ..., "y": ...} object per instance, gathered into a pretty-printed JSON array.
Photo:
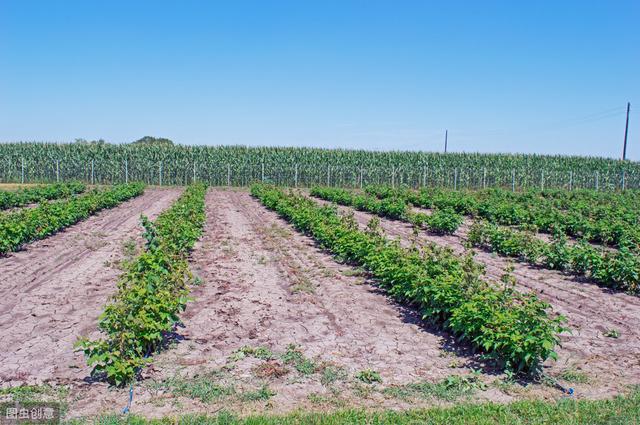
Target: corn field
[{"x": 305, "y": 167}]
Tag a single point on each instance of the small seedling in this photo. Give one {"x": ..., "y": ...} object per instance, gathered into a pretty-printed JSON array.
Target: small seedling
[
  {"x": 294, "y": 356},
  {"x": 332, "y": 373},
  {"x": 264, "y": 393},
  {"x": 369, "y": 376},
  {"x": 574, "y": 375},
  {"x": 612, "y": 333},
  {"x": 262, "y": 353}
]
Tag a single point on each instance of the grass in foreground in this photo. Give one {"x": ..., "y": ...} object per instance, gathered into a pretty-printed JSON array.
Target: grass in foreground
[{"x": 619, "y": 410}]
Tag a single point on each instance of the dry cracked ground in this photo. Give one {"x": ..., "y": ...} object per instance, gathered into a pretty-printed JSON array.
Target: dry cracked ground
[{"x": 276, "y": 324}]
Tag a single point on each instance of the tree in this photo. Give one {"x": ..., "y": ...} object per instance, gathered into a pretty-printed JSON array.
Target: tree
[
  {"x": 158, "y": 141},
  {"x": 81, "y": 141}
]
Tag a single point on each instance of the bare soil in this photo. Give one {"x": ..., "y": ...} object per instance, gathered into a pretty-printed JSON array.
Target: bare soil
[
  {"x": 53, "y": 291},
  {"x": 609, "y": 364}
]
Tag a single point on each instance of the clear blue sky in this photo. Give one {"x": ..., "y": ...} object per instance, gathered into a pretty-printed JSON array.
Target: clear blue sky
[{"x": 545, "y": 76}]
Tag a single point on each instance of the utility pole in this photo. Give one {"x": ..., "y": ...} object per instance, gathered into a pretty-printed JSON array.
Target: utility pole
[
  {"x": 626, "y": 132},
  {"x": 446, "y": 136}
]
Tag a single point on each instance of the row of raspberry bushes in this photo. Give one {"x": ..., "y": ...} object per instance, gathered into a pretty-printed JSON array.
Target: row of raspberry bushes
[
  {"x": 589, "y": 203},
  {"x": 151, "y": 294},
  {"x": 21, "y": 197},
  {"x": 441, "y": 221},
  {"x": 512, "y": 327},
  {"x": 611, "y": 218},
  {"x": 619, "y": 269},
  {"x": 23, "y": 226}
]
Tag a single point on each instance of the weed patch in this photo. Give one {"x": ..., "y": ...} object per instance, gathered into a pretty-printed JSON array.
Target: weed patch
[
  {"x": 369, "y": 376},
  {"x": 450, "y": 388}
]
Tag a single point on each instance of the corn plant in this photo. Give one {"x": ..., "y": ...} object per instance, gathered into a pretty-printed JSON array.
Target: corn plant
[{"x": 242, "y": 165}]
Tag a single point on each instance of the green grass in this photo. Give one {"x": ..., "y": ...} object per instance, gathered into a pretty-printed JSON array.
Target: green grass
[
  {"x": 25, "y": 393},
  {"x": 449, "y": 389},
  {"x": 574, "y": 376},
  {"x": 619, "y": 410},
  {"x": 263, "y": 393},
  {"x": 129, "y": 248},
  {"x": 211, "y": 387},
  {"x": 206, "y": 388}
]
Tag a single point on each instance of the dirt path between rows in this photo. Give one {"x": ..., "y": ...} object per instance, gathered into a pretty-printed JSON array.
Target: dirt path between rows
[
  {"x": 610, "y": 364},
  {"x": 54, "y": 290},
  {"x": 266, "y": 285}
]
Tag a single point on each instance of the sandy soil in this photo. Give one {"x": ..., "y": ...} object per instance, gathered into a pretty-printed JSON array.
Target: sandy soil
[
  {"x": 611, "y": 364},
  {"x": 54, "y": 290}
]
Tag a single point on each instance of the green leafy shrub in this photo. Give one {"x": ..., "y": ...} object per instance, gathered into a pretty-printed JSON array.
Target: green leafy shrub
[
  {"x": 602, "y": 217},
  {"x": 151, "y": 293},
  {"x": 27, "y": 225},
  {"x": 18, "y": 198},
  {"x": 616, "y": 269},
  {"x": 444, "y": 221}
]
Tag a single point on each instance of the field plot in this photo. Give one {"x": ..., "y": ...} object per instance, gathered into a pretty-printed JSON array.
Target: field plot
[
  {"x": 53, "y": 291},
  {"x": 275, "y": 323},
  {"x": 603, "y": 338},
  {"x": 279, "y": 323}
]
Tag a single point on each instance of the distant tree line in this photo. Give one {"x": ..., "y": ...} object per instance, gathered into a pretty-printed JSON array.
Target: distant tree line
[{"x": 146, "y": 140}]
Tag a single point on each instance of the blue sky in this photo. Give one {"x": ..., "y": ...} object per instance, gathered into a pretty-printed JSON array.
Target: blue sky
[{"x": 544, "y": 77}]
